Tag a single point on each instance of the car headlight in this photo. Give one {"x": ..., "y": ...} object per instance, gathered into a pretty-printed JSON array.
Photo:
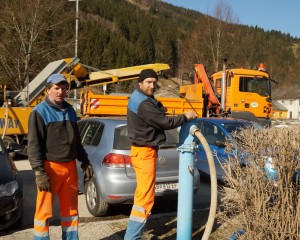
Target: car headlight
[
  {"x": 268, "y": 162},
  {"x": 9, "y": 188},
  {"x": 269, "y": 169}
]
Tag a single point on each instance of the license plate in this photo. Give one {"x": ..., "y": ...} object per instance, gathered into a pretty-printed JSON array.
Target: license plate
[{"x": 163, "y": 187}]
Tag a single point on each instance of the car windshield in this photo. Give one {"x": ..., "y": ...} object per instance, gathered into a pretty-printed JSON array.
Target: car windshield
[
  {"x": 90, "y": 132},
  {"x": 236, "y": 126},
  {"x": 255, "y": 85}
]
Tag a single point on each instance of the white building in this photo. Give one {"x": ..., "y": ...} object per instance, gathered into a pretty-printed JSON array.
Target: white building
[{"x": 293, "y": 106}]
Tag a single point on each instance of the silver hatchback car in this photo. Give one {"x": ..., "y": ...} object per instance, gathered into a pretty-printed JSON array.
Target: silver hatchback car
[{"x": 114, "y": 182}]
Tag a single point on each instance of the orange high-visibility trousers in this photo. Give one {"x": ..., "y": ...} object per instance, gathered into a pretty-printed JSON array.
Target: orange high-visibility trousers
[
  {"x": 144, "y": 163},
  {"x": 63, "y": 182}
]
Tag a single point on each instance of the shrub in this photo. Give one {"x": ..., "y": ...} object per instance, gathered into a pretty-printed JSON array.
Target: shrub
[{"x": 264, "y": 205}]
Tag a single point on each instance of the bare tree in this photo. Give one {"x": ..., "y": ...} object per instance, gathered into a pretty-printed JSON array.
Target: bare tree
[
  {"x": 29, "y": 33},
  {"x": 210, "y": 43},
  {"x": 221, "y": 34},
  {"x": 193, "y": 50}
]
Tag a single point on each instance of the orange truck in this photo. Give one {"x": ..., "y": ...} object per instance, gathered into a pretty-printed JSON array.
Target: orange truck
[{"x": 239, "y": 93}]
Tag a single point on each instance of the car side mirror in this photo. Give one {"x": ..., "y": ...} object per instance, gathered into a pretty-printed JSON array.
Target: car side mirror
[
  {"x": 14, "y": 147},
  {"x": 220, "y": 144}
]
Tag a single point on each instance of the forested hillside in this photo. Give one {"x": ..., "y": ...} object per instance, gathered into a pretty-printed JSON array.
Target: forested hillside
[{"x": 120, "y": 33}]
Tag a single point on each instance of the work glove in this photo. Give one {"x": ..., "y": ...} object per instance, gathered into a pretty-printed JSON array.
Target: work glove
[
  {"x": 88, "y": 171},
  {"x": 42, "y": 181}
]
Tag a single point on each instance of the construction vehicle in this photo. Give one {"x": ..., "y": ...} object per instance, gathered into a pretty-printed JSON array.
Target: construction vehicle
[
  {"x": 239, "y": 93},
  {"x": 205, "y": 96},
  {"x": 14, "y": 113}
]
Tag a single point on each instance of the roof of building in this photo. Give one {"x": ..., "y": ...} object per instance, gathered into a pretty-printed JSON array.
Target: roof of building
[
  {"x": 285, "y": 92},
  {"x": 278, "y": 106}
]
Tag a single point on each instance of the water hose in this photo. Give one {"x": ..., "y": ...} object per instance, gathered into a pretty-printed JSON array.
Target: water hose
[{"x": 213, "y": 183}]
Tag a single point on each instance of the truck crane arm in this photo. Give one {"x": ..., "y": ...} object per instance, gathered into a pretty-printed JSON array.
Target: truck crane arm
[
  {"x": 119, "y": 75},
  {"x": 79, "y": 75},
  {"x": 201, "y": 76}
]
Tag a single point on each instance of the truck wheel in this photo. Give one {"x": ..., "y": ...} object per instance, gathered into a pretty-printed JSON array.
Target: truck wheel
[
  {"x": 7, "y": 140},
  {"x": 95, "y": 205}
]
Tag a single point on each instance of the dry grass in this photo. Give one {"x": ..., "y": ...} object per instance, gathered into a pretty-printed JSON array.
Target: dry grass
[{"x": 263, "y": 207}]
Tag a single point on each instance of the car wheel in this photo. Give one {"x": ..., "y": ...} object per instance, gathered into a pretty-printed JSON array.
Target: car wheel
[
  {"x": 95, "y": 205},
  {"x": 7, "y": 140}
]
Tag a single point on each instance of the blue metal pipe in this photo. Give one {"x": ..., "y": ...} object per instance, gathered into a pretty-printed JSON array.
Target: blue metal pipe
[
  {"x": 186, "y": 179},
  {"x": 236, "y": 235}
]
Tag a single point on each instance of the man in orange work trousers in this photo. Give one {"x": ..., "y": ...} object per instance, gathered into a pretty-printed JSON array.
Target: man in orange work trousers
[
  {"x": 53, "y": 146},
  {"x": 146, "y": 122}
]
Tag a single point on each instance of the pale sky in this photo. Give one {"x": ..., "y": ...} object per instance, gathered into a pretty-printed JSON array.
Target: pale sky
[{"x": 283, "y": 16}]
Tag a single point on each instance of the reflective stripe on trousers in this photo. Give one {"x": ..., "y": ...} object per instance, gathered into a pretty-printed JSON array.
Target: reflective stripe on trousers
[
  {"x": 144, "y": 163},
  {"x": 63, "y": 182}
]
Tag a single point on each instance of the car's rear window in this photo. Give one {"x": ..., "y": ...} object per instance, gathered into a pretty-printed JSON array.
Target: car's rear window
[
  {"x": 172, "y": 139},
  {"x": 121, "y": 140}
]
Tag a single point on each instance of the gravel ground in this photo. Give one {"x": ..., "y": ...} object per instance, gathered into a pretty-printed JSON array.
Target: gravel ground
[{"x": 158, "y": 227}]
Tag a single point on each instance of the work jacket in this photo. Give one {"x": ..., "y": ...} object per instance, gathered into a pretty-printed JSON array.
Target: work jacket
[
  {"x": 147, "y": 120},
  {"x": 53, "y": 135}
]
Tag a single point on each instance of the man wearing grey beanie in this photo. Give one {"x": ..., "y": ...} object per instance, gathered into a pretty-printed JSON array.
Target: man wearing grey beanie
[{"x": 146, "y": 122}]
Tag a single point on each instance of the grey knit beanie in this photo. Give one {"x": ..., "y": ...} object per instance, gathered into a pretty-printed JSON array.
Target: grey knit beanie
[{"x": 147, "y": 73}]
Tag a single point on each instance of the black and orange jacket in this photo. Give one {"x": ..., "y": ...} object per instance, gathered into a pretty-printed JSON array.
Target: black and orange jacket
[
  {"x": 147, "y": 120},
  {"x": 53, "y": 135}
]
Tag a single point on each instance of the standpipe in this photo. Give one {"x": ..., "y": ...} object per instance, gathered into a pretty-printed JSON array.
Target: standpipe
[{"x": 187, "y": 146}]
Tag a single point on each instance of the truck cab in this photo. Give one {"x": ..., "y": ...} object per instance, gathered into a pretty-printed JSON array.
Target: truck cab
[{"x": 246, "y": 91}]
